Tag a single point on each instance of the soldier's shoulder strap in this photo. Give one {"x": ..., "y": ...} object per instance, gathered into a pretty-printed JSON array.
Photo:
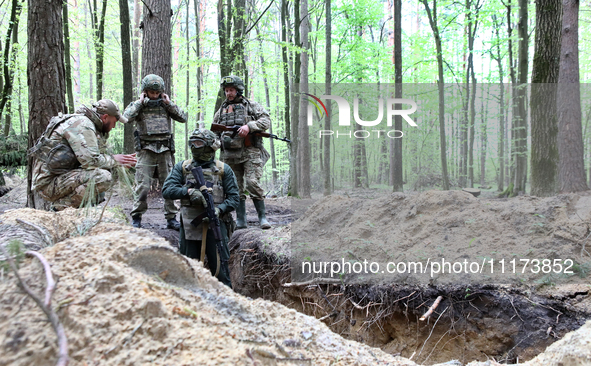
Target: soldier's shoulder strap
[
  {"x": 220, "y": 166},
  {"x": 186, "y": 165},
  {"x": 56, "y": 121}
]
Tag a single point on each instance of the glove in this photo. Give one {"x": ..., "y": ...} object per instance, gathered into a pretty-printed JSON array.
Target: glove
[
  {"x": 218, "y": 212},
  {"x": 197, "y": 197}
]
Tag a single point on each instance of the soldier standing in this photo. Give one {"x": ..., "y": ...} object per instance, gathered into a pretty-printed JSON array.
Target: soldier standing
[
  {"x": 181, "y": 184},
  {"x": 154, "y": 143},
  {"x": 71, "y": 156},
  {"x": 244, "y": 152}
]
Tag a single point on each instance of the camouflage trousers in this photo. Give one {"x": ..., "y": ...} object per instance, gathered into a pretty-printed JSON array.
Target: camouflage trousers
[
  {"x": 248, "y": 175},
  {"x": 69, "y": 189},
  {"x": 147, "y": 163}
]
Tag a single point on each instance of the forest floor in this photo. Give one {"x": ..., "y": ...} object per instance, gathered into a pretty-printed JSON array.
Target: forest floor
[{"x": 120, "y": 308}]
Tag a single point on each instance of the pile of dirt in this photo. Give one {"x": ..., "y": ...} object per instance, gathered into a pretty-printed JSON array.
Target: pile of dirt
[
  {"x": 117, "y": 312},
  {"x": 451, "y": 226},
  {"x": 511, "y": 318}
]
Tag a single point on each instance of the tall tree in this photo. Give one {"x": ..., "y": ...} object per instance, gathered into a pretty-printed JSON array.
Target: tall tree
[
  {"x": 128, "y": 146},
  {"x": 98, "y": 24},
  {"x": 571, "y": 174},
  {"x": 67, "y": 59},
  {"x": 544, "y": 125},
  {"x": 10, "y": 53},
  {"x": 397, "y": 143},
  {"x": 156, "y": 42},
  {"x": 135, "y": 46},
  {"x": 45, "y": 74},
  {"x": 440, "y": 85},
  {"x": 328, "y": 117},
  {"x": 520, "y": 110},
  {"x": 496, "y": 55},
  {"x": 197, "y": 4},
  {"x": 304, "y": 142}
]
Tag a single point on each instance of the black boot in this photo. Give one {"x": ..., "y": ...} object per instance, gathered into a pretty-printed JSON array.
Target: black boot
[
  {"x": 241, "y": 215},
  {"x": 136, "y": 221},
  {"x": 173, "y": 224},
  {"x": 260, "y": 206}
]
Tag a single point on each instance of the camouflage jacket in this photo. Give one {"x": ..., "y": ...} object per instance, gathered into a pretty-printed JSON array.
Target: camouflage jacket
[
  {"x": 143, "y": 115},
  {"x": 84, "y": 135},
  {"x": 258, "y": 121}
]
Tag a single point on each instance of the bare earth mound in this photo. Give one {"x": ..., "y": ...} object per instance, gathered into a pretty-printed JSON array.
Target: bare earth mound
[{"x": 116, "y": 314}]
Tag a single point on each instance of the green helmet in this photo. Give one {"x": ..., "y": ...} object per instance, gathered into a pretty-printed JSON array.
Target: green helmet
[
  {"x": 153, "y": 82},
  {"x": 204, "y": 138},
  {"x": 233, "y": 81}
]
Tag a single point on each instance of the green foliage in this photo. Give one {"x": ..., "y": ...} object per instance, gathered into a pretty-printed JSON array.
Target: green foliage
[
  {"x": 13, "y": 150},
  {"x": 16, "y": 249}
]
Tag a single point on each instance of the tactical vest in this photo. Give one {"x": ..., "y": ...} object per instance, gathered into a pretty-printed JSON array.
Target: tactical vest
[
  {"x": 154, "y": 122},
  {"x": 189, "y": 211},
  {"x": 57, "y": 155}
]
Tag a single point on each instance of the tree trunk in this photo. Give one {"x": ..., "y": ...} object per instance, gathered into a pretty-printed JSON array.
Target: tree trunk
[
  {"x": 285, "y": 67},
  {"x": 268, "y": 100},
  {"x": 198, "y": 54},
  {"x": 128, "y": 146},
  {"x": 304, "y": 141},
  {"x": 571, "y": 173},
  {"x": 99, "y": 47},
  {"x": 397, "y": 167},
  {"x": 67, "y": 58},
  {"x": 328, "y": 87},
  {"x": 10, "y": 57},
  {"x": 135, "y": 48},
  {"x": 441, "y": 92},
  {"x": 45, "y": 74},
  {"x": 501, "y": 146},
  {"x": 544, "y": 125},
  {"x": 156, "y": 43}
]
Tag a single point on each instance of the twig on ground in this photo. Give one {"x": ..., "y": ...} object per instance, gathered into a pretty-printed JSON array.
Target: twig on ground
[
  {"x": 314, "y": 281},
  {"x": 62, "y": 340},
  {"x": 48, "y": 276},
  {"x": 433, "y": 307}
]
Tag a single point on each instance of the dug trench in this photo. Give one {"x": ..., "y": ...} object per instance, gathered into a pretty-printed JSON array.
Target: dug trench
[{"x": 508, "y": 323}]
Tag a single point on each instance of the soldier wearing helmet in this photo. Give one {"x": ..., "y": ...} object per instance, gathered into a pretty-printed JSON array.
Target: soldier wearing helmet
[
  {"x": 244, "y": 152},
  {"x": 71, "y": 156},
  {"x": 154, "y": 144},
  {"x": 180, "y": 184}
]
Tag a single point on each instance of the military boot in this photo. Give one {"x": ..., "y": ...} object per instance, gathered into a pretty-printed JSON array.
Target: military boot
[
  {"x": 260, "y": 206},
  {"x": 241, "y": 215},
  {"x": 173, "y": 224},
  {"x": 136, "y": 221}
]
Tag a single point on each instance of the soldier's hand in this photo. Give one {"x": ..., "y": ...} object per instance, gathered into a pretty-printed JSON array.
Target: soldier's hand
[
  {"x": 165, "y": 98},
  {"x": 127, "y": 161},
  {"x": 218, "y": 212},
  {"x": 197, "y": 197},
  {"x": 243, "y": 131},
  {"x": 142, "y": 98}
]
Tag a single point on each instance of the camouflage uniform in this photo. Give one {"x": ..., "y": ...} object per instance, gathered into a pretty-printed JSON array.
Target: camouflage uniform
[
  {"x": 225, "y": 196},
  {"x": 246, "y": 162},
  {"x": 66, "y": 186},
  {"x": 245, "y": 155},
  {"x": 154, "y": 146}
]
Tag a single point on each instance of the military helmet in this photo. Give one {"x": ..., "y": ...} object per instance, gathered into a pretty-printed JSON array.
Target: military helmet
[
  {"x": 232, "y": 81},
  {"x": 153, "y": 82},
  {"x": 204, "y": 138}
]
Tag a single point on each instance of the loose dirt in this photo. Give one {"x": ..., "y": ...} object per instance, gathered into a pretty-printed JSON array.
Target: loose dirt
[{"x": 126, "y": 298}]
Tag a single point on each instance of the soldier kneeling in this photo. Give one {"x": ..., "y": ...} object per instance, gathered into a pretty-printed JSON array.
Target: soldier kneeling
[{"x": 195, "y": 226}]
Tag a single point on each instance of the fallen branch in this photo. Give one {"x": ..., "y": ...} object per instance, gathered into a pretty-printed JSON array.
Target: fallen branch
[
  {"x": 432, "y": 308},
  {"x": 48, "y": 276},
  {"x": 62, "y": 340},
  {"x": 315, "y": 281}
]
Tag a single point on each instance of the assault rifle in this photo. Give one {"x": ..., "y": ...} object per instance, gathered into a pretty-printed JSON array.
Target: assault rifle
[
  {"x": 214, "y": 221},
  {"x": 220, "y": 128}
]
